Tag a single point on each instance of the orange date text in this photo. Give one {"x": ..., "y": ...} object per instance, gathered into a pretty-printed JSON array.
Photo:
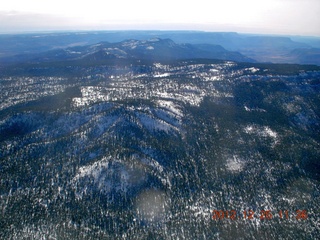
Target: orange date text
[{"x": 262, "y": 214}]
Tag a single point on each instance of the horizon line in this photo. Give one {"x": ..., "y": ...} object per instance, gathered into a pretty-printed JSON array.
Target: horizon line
[{"x": 42, "y": 31}]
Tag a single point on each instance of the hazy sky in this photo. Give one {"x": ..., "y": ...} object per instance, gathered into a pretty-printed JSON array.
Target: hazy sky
[{"x": 299, "y": 17}]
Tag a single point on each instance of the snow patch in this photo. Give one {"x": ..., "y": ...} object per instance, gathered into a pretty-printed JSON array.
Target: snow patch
[
  {"x": 107, "y": 175},
  {"x": 254, "y": 109},
  {"x": 171, "y": 106},
  {"x": 269, "y": 132},
  {"x": 162, "y": 75},
  {"x": 92, "y": 170},
  {"x": 252, "y": 69},
  {"x": 154, "y": 124},
  {"x": 263, "y": 131},
  {"x": 235, "y": 164}
]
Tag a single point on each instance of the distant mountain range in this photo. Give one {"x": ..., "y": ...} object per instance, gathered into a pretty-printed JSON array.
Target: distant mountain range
[
  {"x": 187, "y": 44},
  {"x": 152, "y": 49}
]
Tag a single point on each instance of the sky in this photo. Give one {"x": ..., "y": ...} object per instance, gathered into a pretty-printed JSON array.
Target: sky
[{"x": 294, "y": 17}]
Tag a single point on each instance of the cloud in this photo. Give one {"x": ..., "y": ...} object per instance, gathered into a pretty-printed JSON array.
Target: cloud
[
  {"x": 21, "y": 22},
  {"x": 256, "y": 16},
  {"x": 17, "y": 21}
]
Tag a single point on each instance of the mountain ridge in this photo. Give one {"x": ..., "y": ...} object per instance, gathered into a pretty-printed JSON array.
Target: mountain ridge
[
  {"x": 262, "y": 48},
  {"x": 152, "y": 49}
]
